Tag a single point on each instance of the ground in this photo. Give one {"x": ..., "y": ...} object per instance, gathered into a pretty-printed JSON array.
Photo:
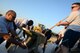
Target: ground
[{"x": 49, "y": 48}]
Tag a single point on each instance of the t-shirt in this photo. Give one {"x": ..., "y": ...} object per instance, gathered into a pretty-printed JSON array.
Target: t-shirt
[
  {"x": 74, "y": 20},
  {"x": 5, "y": 25}
]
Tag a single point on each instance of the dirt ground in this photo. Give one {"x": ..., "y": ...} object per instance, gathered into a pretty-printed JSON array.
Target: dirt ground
[{"x": 49, "y": 48}]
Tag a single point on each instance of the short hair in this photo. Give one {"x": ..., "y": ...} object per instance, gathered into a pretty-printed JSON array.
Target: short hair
[
  {"x": 37, "y": 28},
  {"x": 1, "y": 15},
  {"x": 12, "y": 12},
  {"x": 77, "y": 3},
  {"x": 30, "y": 22},
  {"x": 47, "y": 33}
]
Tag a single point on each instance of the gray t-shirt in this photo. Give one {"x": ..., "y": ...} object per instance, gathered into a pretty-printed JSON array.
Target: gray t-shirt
[
  {"x": 74, "y": 20},
  {"x": 5, "y": 26}
]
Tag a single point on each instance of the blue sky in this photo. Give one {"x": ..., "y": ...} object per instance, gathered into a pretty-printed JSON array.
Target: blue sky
[{"x": 47, "y": 12}]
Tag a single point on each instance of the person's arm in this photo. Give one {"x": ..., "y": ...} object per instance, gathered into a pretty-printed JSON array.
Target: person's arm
[
  {"x": 69, "y": 20},
  {"x": 27, "y": 31},
  {"x": 4, "y": 32},
  {"x": 62, "y": 23},
  {"x": 12, "y": 31},
  {"x": 29, "y": 34},
  {"x": 27, "y": 40}
]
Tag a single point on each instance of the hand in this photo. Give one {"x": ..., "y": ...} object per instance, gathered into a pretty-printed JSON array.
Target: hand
[
  {"x": 6, "y": 37},
  {"x": 58, "y": 24}
]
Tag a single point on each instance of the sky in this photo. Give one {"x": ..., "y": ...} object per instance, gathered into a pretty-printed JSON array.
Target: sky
[{"x": 47, "y": 12}]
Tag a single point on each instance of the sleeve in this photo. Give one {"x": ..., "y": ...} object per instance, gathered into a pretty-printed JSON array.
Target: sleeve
[
  {"x": 3, "y": 28},
  {"x": 72, "y": 17}
]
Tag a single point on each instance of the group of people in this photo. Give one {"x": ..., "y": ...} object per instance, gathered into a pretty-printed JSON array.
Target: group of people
[{"x": 9, "y": 24}]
